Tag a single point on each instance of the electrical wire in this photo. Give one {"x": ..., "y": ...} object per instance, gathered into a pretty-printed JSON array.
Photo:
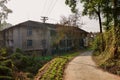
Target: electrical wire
[
  {"x": 44, "y": 6},
  {"x": 52, "y": 8},
  {"x": 47, "y": 6}
]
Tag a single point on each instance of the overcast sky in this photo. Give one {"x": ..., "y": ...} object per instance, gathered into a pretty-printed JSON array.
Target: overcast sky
[{"x": 24, "y": 10}]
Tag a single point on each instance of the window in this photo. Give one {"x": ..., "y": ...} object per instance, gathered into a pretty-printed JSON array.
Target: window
[
  {"x": 44, "y": 43},
  {"x": 118, "y": 3},
  {"x": 52, "y": 32},
  {"x": 29, "y": 43},
  {"x": 118, "y": 17},
  {"x": 69, "y": 43},
  {"x": 62, "y": 43},
  {"x": 11, "y": 43},
  {"x": 29, "y": 31}
]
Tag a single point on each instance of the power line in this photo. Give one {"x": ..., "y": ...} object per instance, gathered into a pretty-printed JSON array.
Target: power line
[
  {"x": 47, "y": 6},
  {"x": 47, "y": 9},
  {"x": 52, "y": 7}
]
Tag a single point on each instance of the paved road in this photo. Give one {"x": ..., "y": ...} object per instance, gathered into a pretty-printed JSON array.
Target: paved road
[{"x": 83, "y": 68}]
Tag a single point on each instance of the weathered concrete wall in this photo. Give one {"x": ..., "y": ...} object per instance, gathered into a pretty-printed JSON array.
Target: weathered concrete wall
[
  {"x": 39, "y": 35},
  {"x": 8, "y": 38},
  {"x": 17, "y": 38}
]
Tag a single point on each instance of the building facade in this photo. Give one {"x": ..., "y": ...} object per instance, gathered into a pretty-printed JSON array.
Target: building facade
[{"x": 35, "y": 36}]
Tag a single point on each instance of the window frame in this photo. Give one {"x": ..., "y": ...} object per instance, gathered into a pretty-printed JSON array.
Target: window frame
[
  {"x": 29, "y": 43},
  {"x": 29, "y": 31}
]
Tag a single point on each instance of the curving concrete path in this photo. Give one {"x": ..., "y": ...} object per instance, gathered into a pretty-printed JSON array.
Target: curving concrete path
[{"x": 83, "y": 68}]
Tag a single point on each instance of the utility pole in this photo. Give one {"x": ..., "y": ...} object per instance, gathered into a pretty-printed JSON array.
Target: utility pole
[{"x": 44, "y": 19}]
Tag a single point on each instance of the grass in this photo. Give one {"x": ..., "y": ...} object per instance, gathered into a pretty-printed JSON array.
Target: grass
[{"x": 55, "y": 69}]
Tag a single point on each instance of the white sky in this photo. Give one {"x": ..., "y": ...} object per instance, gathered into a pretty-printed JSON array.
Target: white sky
[{"x": 24, "y": 10}]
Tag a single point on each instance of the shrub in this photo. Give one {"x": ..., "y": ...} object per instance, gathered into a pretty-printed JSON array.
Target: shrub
[
  {"x": 6, "y": 66},
  {"x": 97, "y": 43},
  {"x": 29, "y": 63},
  {"x": 18, "y": 50},
  {"x": 3, "y": 52}
]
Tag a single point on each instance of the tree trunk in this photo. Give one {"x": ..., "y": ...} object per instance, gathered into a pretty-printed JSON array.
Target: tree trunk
[
  {"x": 107, "y": 16},
  {"x": 100, "y": 24}
]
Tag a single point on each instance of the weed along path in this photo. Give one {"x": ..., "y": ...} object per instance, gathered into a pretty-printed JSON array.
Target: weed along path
[{"x": 83, "y": 68}]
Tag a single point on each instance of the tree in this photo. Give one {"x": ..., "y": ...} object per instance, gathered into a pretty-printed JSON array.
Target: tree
[
  {"x": 91, "y": 8},
  {"x": 69, "y": 29},
  {"x": 5, "y": 63},
  {"x": 72, "y": 20},
  {"x": 116, "y": 17},
  {"x": 4, "y": 11},
  {"x": 73, "y": 36},
  {"x": 107, "y": 13},
  {"x": 96, "y": 9}
]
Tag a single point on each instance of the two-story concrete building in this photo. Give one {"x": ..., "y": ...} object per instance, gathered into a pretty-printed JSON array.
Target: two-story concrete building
[{"x": 33, "y": 36}]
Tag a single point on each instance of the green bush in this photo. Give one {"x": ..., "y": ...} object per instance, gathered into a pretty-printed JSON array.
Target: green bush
[
  {"x": 29, "y": 63},
  {"x": 3, "y": 52},
  {"x": 97, "y": 43},
  {"x": 18, "y": 50},
  {"x": 5, "y": 65},
  {"x": 5, "y": 71}
]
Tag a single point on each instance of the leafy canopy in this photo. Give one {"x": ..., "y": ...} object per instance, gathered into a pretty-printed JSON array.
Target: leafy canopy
[{"x": 4, "y": 10}]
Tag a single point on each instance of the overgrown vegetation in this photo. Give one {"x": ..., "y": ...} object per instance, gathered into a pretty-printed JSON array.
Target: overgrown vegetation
[
  {"x": 55, "y": 68},
  {"x": 107, "y": 59},
  {"x": 29, "y": 63},
  {"x": 6, "y": 66},
  {"x": 18, "y": 65}
]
